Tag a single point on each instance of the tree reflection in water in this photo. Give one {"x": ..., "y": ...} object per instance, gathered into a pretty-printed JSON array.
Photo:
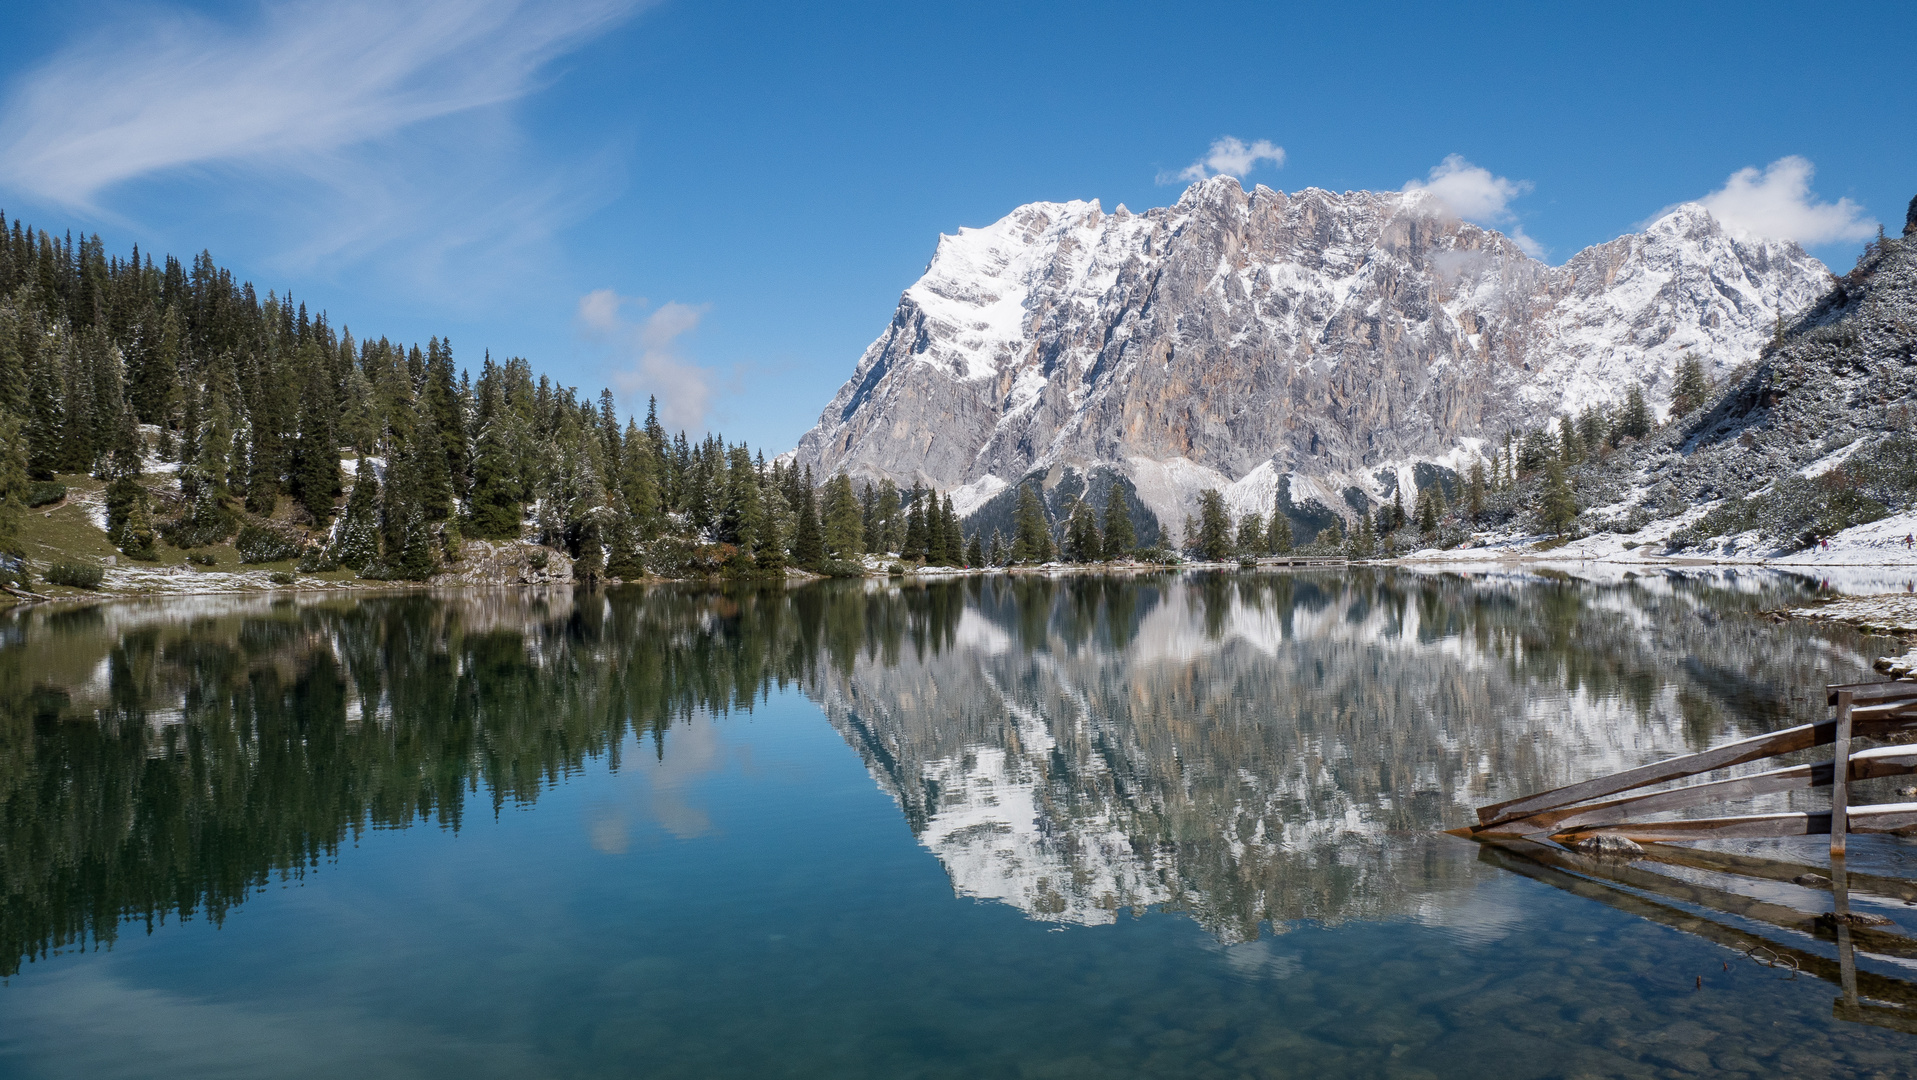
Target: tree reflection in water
[{"x": 1250, "y": 749}]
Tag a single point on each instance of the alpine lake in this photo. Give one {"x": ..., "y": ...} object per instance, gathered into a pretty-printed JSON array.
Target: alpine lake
[{"x": 1177, "y": 825}]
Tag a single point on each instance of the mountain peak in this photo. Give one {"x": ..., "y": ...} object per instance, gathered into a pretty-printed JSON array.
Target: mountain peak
[{"x": 1328, "y": 344}]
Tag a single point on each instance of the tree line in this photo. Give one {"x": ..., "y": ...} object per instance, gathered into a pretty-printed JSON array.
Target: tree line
[
  {"x": 1530, "y": 479},
  {"x": 109, "y": 362}
]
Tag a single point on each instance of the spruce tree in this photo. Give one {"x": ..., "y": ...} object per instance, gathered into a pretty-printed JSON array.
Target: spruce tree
[
  {"x": 356, "y": 538},
  {"x": 1690, "y": 386},
  {"x": 1251, "y": 534},
  {"x": 1634, "y": 420},
  {"x": 1557, "y": 508},
  {"x": 1083, "y": 543},
  {"x": 808, "y": 542},
  {"x": 995, "y": 553},
  {"x": 1031, "y": 542},
  {"x": 1214, "y": 526},
  {"x": 914, "y": 545},
  {"x": 974, "y": 553},
  {"x": 841, "y": 518},
  {"x": 13, "y": 488},
  {"x": 1278, "y": 537},
  {"x": 1119, "y": 537}
]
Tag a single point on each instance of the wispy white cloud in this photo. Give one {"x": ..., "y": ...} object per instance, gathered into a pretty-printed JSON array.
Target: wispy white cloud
[
  {"x": 1228, "y": 156},
  {"x": 1777, "y": 202},
  {"x": 646, "y": 350},
  {"x": 303, "y": 81},
  {"x": 327, "y": 132},
  {"x": 1475, "y": 194}
]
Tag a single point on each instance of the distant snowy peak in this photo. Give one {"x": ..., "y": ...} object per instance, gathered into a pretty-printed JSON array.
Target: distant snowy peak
[{"x": 1318, "y": 335}]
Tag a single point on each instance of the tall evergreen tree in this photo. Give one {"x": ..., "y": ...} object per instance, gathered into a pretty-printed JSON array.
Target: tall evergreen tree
[
  {"x": 356, "y": 537},
  {"x": 1031, "y": 541},
  {"x": 808, "y": 541},
  {"x": 1214, "y": 526},
  {"x": 1120, "y": 537},
  {"x": 1278, "y": 536}
]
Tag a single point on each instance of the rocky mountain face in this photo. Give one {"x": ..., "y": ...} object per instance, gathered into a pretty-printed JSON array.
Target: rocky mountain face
[{"x": 1311, "y": 347}]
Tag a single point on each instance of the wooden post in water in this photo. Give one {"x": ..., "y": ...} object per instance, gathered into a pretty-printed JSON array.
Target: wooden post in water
[{"x": 1840, "y": 778}]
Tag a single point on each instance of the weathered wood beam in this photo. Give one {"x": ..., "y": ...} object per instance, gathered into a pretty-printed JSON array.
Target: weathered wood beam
[
  {"x": 1861, "y": 693},
  {"x": 1840, "y": 792},
  {"x": 1754, "y": 866},
  {"x": 1865, "y": 765},
  {"x": 1788, "y": 740},
  {"x": 1878, "y": 818}
]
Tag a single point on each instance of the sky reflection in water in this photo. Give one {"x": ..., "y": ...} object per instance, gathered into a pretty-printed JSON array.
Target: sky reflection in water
[{"x": 1190, "y": 823}]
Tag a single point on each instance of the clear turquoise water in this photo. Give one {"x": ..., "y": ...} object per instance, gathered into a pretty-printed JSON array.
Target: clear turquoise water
[{"x": 1177, "y": 827}]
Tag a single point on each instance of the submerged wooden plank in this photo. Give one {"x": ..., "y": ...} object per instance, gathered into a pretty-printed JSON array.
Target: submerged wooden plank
[
  {"x": 1884, "y": 1016},
  {"x": 1745, "y": 826},
  {"x": 1869, "y": 984},
  {"x": 1756, "y": 866},
  {"x": 1878, "y": 818}
]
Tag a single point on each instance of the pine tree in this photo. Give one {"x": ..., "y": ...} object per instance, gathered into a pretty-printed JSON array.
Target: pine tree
[
  {"x": 914, "y": 547},
  {"x": 13, "y": 487},
  {"x": 1214, "y": 526},
  {"x": 842, "y": 524},
  {"x": 1083, "y": 543},
  {"x": 891, "y": 529},
  {"x": 1120, "y": 538},
  {"x": 974, "y": 553},
  {"x": 1474, "y": 491},
  {"x": 1251, "y": 534},
  {"x": 1030, "y": 539},
  {"x": 808, "y": 543},
  {"x": 1278, "y": 536},
  {"x": 1634, "y": 420},
  {"x": 995, "y": 553},
  {"x": 1570, "y": 447},
  {"x": 1690, "y": 386},
  {"x": 356, "y": 538},
  {"x": 1557, "y": 508}
]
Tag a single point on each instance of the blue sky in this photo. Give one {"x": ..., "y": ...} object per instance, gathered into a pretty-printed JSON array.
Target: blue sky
[{"x": 721, "y": 203}]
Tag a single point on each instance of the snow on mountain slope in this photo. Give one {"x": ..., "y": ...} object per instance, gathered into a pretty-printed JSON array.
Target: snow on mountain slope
[{"x": 1237, "y": 338}]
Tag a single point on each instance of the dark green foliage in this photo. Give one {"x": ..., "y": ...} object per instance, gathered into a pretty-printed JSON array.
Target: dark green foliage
[
  {"x": 356, "y": 538},
  {"x": 129, "y": 520},
  {"x": 1557, "y": 508},
  {"x": 45, "y": 493},
  {"x": 258, "y": 543},
  {"x": 808, "y": 542},
  {"x": 1120, "y": 538},
  {"x": 203, "y": 518},
  {"x": 1690, "y": 386},
  {"x": 1634, "y": 419},
  {"x": 1278, "y": 536},
  {"x": 1214, "y": 526},
  {"x": 1082, "y": 541},
  {"x": 974, "y": 553},
  {"x": 75, "y": 575},
  {"x": 1031, "y": 542},
  {"x": 1251, "y": 535}
]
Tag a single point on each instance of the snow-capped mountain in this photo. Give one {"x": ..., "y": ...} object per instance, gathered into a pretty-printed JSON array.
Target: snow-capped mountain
[{"x": 1249, "y": 340}]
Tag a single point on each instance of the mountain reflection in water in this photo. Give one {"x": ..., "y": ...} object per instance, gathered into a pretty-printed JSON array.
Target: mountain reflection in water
[{"x": 1248, "y": 749}]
